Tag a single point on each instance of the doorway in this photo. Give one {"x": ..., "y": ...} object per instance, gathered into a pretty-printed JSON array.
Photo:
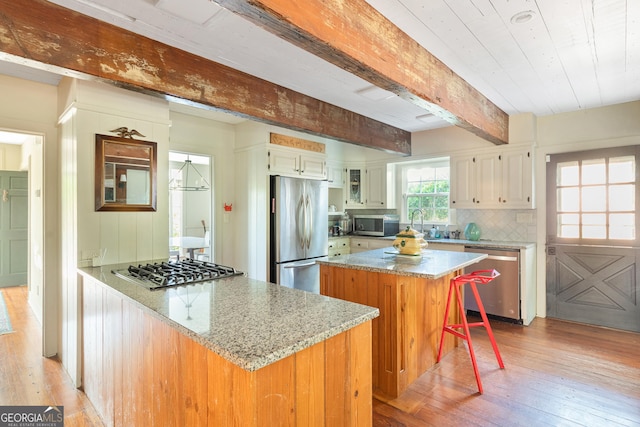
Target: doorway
[
  {"x": 190, "y": 213},
  {"x": 14, "y": 224},
  {"x": 592, "y": 243}
]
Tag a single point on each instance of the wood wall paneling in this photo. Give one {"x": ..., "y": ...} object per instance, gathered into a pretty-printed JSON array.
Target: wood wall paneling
[
  {"x": 141, "y": 371},
  {"x": 406, "y": 335}
]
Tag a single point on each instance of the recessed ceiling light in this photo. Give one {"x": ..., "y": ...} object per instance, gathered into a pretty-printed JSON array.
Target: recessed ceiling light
[
  {"x": 375, "y": 93},
  {"x": 523, "y": 17}
]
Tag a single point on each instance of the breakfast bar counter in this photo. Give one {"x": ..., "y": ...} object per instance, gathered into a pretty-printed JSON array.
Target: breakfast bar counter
[
  {"x": 410, "y": 292},
  {"x": 232, "y": 351}
]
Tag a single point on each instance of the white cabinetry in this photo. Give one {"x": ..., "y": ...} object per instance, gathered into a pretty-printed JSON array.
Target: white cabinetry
[
  {"x": 517, "y": 179},
  {"x": 380, "y": 243},
  {"x": 451, "y": 247},
  {"x": 339, "y": 246},
  {"x": 366, "y": 187},
  {"x": 376, "y": 186},
  {"x": 294, "y": 162},
  {"x": 493, "y": 180},
  {"x": 359, "y": 244},
  {"x": 354, "y": 188},
  {"x": 335, "y": 174}
]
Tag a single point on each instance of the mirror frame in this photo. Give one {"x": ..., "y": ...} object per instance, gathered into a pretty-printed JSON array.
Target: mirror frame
[{"x": 101, "y": 204}]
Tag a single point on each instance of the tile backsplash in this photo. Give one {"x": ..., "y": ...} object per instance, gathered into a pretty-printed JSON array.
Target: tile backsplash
[{"x": 501, "y": 224}]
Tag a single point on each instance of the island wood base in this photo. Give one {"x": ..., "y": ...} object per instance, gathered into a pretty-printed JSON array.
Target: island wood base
[
  {"x": 407, "y": 333},
  {"x": 140, "y": 371}
]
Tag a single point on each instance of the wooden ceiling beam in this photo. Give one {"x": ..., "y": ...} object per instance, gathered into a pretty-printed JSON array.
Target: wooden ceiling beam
[
  {"x": 59, "y": 37},
  {"x": 351, "y": 34}
]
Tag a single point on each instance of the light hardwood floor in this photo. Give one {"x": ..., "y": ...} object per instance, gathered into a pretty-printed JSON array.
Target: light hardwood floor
[{"x": 556, "y": 374}]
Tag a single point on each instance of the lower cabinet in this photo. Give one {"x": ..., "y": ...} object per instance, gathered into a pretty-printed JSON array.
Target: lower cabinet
[
  {"x": 138, "y": 370},
  {"x": 339, "y": 246},
  {"x": 452, "y": 247},
  {"x": 405, "y": 337},
  {"x": 359, "y": 244}
]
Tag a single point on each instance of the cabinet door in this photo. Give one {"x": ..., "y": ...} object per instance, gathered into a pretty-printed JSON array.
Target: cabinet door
[
  {"x": 313, "y": 166},
  {"x": 376, "y": 187},
  {"x": 354, "y": 189},
  {"x": 380, "y": 243},
  {"x": 359, "y": 245},
  {"x": 463, "y": 189},
  {"x": 517, "y": 179},
  {"x": 283, "y": 162},
  {"x": 335, "y": 175},
  {"x": 488, "y": 173}
]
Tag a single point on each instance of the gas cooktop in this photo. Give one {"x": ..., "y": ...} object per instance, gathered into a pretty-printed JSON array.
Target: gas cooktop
[{"x": 166, "y": 274}]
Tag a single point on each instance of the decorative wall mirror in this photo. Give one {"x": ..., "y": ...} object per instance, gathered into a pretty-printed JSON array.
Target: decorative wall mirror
[{"x": 125, "y": 174}]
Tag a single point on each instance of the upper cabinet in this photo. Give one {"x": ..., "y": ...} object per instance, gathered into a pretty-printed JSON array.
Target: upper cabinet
[
  {"x": 354, "y": 191},
  {"x": 376, "y": 186},
  {"x": 335, "y": 174},
  {"x": 493, "y": 179},
  {"x": 366, "y": 187},
  {"x": 296, "y": 163}
]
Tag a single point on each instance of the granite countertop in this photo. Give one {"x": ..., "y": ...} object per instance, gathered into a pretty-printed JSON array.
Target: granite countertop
[
  {"x": 489, "y": 244},
  {"x": 432, "y": 264},
  {"x": 248, "y": 322}
]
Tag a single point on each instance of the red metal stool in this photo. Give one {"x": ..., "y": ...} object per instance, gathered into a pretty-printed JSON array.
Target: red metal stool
[{"x": 482, "y": 277}]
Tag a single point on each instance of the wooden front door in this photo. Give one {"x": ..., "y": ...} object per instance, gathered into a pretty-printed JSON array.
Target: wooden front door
[
  {"x": 13, "y": 228},
  {"x": 592, "y": 244}
]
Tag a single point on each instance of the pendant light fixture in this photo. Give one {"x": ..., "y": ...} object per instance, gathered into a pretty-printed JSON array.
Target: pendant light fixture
[{"x": 200, "y": 184}]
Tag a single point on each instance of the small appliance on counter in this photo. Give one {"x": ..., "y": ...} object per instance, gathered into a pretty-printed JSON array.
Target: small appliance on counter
[
  {"x": 410, "y": 242},
  {"x": 376, "y": 225}
]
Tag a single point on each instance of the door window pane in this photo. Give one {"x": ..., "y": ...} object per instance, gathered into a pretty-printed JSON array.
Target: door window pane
[
  {"x": 596, "y": 197},
  {"x": 568, "y": 174},
  {"x": 622, "y": 169},
  {"x": 594, "y": 172},
  {"x": 622, "y": 226},
  {"x": 622, "y": 198},
  {"x": 569, "y": 199}
]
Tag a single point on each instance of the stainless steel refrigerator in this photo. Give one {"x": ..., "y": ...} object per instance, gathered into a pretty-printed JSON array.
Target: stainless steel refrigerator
[{"x": 299, "y": 231}]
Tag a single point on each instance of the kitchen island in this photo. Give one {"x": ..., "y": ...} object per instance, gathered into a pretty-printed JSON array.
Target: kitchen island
[
  {"x": 232, "y": 351},
  {"x": 411, "y": 295}
]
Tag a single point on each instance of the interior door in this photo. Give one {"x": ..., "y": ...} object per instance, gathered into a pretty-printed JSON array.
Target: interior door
[
  {"x": 592, "y": 244},
  {"x": 13, "y": 228}
]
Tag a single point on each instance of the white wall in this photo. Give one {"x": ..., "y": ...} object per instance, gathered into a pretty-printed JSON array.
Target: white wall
[
  {"x": 86, "y": 109},
  {"x": 30, "y": 107}
]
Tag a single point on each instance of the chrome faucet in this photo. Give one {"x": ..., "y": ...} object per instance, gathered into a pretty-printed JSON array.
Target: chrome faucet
[{"x": 413, "y": 213}]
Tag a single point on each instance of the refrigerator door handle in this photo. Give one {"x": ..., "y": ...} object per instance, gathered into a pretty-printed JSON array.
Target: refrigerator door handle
[
  {"x": 308, "y": 264},
  {"x": 301, "y": 228},
  {"x": 309, "y": 214}
]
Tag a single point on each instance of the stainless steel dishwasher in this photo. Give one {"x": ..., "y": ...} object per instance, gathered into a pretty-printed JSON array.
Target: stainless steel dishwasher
[{"x": 501, "y": 296}]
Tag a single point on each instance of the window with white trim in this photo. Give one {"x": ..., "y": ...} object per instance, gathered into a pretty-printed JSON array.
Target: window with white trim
[{"x": 425, "y": 185}]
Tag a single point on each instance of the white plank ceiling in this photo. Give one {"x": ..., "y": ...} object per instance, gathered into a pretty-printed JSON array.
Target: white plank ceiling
[{"x": 571, "y": 54}]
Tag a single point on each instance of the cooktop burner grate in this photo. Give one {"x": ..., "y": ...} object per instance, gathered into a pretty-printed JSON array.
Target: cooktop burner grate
[{"x": 184, "y": 272}]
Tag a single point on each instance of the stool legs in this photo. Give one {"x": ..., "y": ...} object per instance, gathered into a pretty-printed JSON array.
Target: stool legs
[
  {"x": 487, "y": 325},
  {"x": 465, "y": 325}
]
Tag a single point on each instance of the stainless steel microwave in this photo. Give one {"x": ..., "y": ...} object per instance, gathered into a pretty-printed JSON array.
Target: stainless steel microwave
[{"x": 376, "y": 225}]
